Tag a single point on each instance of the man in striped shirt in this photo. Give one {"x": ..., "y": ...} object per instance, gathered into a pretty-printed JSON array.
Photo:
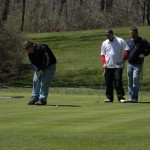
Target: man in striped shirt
[{"x": 43, "y": 62}]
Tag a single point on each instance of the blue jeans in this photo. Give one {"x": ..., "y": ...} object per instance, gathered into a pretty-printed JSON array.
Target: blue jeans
[
  {"x": 134, "y": 72},
  {"x": 41, "y": 85}
]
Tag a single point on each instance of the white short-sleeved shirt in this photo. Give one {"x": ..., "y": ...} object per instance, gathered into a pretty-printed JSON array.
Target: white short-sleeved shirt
[{"x": 114, "y": 51}]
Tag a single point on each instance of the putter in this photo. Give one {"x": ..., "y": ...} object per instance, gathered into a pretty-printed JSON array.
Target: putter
[
  {"x": 101, "y": 86},
  {"x": 11, "y": 96},
  {"x": 141, "y": 82}
]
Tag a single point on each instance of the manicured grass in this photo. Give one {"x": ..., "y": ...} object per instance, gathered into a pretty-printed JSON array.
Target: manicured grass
[
  {"x": 78, "y": 57},
  {"x": 78, "y": 123}
]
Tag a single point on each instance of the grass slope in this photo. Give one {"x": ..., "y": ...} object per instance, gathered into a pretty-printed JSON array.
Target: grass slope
[
  {"x": 78, "y": 123},
  {"x": 78, "y": 57}
]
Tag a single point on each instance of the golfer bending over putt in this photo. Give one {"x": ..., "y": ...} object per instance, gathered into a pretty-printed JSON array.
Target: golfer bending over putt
[{"x": 43, "y": 62}]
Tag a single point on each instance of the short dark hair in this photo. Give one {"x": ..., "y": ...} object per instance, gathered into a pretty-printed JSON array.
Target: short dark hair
[{"x": 134, "y": 29}]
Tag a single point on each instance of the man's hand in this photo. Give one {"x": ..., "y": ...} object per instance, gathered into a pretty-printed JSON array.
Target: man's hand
[
  {"x": 141, "y": 56},
  {"x": 40, "y": 73},
  {"x": 121, "y": 63},
  {"x": 104, "y": 66}
]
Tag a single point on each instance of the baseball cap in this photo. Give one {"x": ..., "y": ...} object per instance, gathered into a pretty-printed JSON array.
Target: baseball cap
[
  {"x": 109, "y": 32},
  {"x": 26, "y": 45}
]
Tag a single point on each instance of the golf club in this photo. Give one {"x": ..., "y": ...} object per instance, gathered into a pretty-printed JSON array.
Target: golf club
[
  {"x": 11, "y": 96},
  {"x": 141, "y": 82},
  {"x": 101, "y": 86}
]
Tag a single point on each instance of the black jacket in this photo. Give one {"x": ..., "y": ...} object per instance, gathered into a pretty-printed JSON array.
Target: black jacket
[
  {"x": 42, "y": 57},
  {"x": 138, "y": 46}
]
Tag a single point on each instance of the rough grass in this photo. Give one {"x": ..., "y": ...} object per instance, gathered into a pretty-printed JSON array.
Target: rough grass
[
  {"x": 78, "y": 123},
  {"x": 78, "y": 57}
]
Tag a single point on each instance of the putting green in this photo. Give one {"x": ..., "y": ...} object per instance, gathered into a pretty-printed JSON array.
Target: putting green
[{"x": 78, "y": 123}]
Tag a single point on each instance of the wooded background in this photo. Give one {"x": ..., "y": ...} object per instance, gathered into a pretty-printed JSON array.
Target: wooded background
[
  {"x": 66, "y": 15},
  {"x": 17, "y": 16}
]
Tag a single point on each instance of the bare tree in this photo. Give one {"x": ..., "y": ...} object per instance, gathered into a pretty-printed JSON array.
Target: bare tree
[
  {"x": 106, "y": 5},
  {"x": 144, "y": 11},
  {"x": 54, "y": 5},
  {"x": 109, "y": 5},
  {"x": 81, "y": 2},
  {"x": 60, "y": 15},
  {"x": 148, "y": 12},
  {"x": 102, "y": 5},
  {"x": 63, "y": 4},
  {"x": 5, "y": 10},
  {"x": 23, "y": 14}
]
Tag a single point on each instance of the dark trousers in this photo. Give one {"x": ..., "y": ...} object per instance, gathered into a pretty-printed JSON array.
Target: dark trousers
[{"x": 113, "y": 77}]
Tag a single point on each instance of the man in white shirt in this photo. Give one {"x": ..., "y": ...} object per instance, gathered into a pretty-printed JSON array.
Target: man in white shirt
[{"x": 114, "y": 53}]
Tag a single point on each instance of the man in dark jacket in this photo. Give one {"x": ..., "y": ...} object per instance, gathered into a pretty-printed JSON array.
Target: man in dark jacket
[
  {"x": 43, "y": 62},
  {"x": 139, "y": 49}
]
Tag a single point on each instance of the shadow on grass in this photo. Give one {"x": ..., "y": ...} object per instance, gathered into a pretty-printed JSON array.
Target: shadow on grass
[
  {"x": 144, "y": 102},
  {"x": 60, "y": 105},
  {"x": 51, "y": 39},
  {"x": 81, "y": 78},
  {"x": 65, "y": 105},
  {"x": 56, "y": 39}
]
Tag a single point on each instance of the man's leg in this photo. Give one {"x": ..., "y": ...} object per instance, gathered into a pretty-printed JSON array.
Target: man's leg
[
  {"x": 36, "y": 87},
  {"x": 136, "y": 79},
  {"x": 35, "y": 90},
  {"x": 118, "y": 83},
  {"x": 109, "y": 77},
  {"x": 130, "y": 80},
  {"x": 45, "y": 82}
]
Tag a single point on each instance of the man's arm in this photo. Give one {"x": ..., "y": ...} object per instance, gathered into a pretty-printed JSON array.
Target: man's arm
[
  {"x": 45, "y": 57},
  {"x": 34, "y": 67},
  {"x": 126, "y": 53},
  {"x": 103, "y": 60},
  {"x": 102, "y": 57}
]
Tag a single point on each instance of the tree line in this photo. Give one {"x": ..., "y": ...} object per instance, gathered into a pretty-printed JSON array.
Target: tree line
[
  {"x": 66, "y": 15},
  {"x": 18, "y": 16}
]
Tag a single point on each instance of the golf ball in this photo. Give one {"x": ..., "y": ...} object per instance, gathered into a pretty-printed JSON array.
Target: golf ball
[{"x": 56, "y": 106}]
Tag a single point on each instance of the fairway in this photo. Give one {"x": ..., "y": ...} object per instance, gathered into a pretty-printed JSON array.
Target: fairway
[
  {"x": 77, "y": 54},
  {"x": 78, "y": 123},
  {"x": 75, "y": 51},
  {"x": 75, "y": 118}
]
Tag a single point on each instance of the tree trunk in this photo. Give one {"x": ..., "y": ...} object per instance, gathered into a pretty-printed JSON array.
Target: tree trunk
[
  {"x": 62, "y": 6},
  {"x": 127, "y": 8},
  {"x": 54, "y": 3},
  {"x": 23, "y": 14},
  {"x": 5, "y": 10},
  {"x": 1, "y": 27},
  {"x": 144, "y": 8},
  {"x": 66, "y": 13},
  {"x": 109, "y": 5},
  {"x": 81, "y": 2},
  {"x": 102, "y": 5},
  {"x": 148, "y": 12}
]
